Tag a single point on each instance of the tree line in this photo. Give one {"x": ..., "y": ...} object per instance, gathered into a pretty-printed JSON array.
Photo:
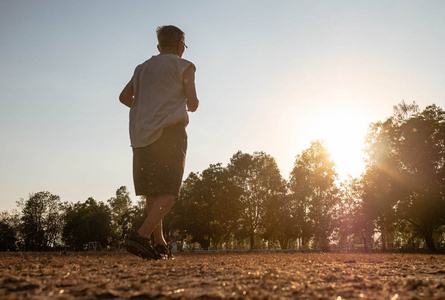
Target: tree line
[
  {"x": 44, "y": 222},
  {"x": 397, "y": 203}
]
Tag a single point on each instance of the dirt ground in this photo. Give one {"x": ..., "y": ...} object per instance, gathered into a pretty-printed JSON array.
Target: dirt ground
[{"x": 231, "y": 275}]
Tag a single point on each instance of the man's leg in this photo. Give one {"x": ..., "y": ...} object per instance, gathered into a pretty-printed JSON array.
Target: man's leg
[
  {"x": 157, "y": 231},
  {"x": 159, "y": 235},
  {"x": 157, "y": 208}
]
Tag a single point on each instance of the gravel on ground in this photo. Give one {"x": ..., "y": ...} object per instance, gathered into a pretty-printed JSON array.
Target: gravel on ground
[{"x": 274, "y": 275}]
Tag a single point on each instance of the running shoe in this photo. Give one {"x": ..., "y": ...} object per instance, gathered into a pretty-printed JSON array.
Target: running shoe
[
  {"x": 164, "y": 251},
  {"x": 137, "y": 249}
]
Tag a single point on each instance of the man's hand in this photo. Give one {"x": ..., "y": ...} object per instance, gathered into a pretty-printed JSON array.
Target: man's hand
[
  {"x": 127, "y": 94},
  {"x": 189, "y": 89}
]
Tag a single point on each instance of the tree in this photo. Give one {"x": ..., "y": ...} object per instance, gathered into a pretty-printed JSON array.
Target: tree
[
  {"x": 7, "y": 237},
  {"x": 42, "y": 220},
  {"x": 8, "y": 232},
  {"x": 87, "y": 222},
  {"x": 208, "y": 208},
  {"x": 189, "y": 213},
  {"x": 277, "y": 222},
  {"x": 405, "y": 174},
  {"x": 261, "y": 185},
  {"x": 120, "y": 206},
  {"x": 223, "y": 202},
  {"x": 420, "y": 148},
  {"x": 381, "y": 181},
  {"x": 352, "y": 223},
  {"x": 314, "y": 194},
  {"x": 134, "y": 217}
]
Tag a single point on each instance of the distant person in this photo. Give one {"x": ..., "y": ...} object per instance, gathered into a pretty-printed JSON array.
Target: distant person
[{"x": 159, "y": 95}]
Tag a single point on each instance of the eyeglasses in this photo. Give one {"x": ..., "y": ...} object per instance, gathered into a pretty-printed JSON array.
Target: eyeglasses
[{"x": 186, "y": 47}]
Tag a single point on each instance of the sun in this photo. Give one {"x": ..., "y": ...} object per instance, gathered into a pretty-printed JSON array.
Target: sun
[
  {"x": 343, "y": 129},
  {"x": 334, "y": 116},
  {"x": 346, "y": 152}
]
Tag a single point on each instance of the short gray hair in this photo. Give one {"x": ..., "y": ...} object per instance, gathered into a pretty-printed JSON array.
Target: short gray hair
[{"x": 169, "y": 35}]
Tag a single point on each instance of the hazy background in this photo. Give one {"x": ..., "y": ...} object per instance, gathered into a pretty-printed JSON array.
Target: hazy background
[{"x": 271, "y": 76}]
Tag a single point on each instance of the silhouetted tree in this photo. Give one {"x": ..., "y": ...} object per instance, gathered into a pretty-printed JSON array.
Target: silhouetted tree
[
  {"x": 120, "y": 206},
  {"x": 8, "y": 233},
  {"x": 261, "y": 185},
  {"x": 276, "y": 220},
  {"x": 405, "y": 174},
  {"x": 381, "y": 181},
  {"x": 223, "y": 198},
  {"x": 134, "y": 217},
  {"x": 351, "y": 220},
  {"x": 208, "y": 207},
  {"x": 190, "y": 213},
  {"x": 7, "y": 237},
  {"x": 314, "y": 194},
  {"x": 420, "y": 148},
  {"x": 87, "y": 222},
  {"x": 42, "y": 220}
]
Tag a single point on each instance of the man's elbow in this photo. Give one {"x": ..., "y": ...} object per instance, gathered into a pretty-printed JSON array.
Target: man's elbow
[
  {"x": 193, "y": 105},
  {"x": 127, "y": 101}
]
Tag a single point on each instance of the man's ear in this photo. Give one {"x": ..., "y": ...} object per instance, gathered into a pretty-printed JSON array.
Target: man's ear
[
  {"x": 179, "y": 46},
  {"x": 159, "y": 48}
]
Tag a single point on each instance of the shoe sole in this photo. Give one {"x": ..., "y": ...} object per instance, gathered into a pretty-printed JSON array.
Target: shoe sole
[{"x": 139, "y": 250}]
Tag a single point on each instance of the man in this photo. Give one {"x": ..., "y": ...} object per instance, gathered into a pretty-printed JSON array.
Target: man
[{"x": 159, "y": 95}]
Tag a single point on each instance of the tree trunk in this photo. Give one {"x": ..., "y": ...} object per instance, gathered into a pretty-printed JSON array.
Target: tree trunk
[
  {"x": 383, "y": 240},
  {"x": 365, "y": 244},
  {"x": 252, "y": 240},
  {"x": 323, "y": 242},
  {"x": 205, "y": 243},
  {"x": 304, "y": 242},
  {"x": 428, "y": 235}
]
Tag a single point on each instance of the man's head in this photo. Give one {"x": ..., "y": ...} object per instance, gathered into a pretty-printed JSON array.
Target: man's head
[{"x": 171, "y": 39}]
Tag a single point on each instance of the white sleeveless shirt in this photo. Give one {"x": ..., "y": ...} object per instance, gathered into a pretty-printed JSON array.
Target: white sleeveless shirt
[{"x": 159, "y": 99}]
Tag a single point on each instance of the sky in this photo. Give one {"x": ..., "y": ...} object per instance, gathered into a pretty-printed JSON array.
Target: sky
[{"x": 271, "y": 76}]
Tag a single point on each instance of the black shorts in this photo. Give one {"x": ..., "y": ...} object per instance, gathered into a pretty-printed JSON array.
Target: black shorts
[{"x": 158, "y": 168}]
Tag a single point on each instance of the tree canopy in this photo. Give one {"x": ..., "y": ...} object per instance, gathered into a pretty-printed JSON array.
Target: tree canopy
[{"x": 397, "y": 203}]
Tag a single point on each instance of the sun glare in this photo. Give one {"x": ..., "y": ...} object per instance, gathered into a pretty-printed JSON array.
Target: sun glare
[
  {"x": 343, "y": 130},
  {"x": 347, "y": 154}
]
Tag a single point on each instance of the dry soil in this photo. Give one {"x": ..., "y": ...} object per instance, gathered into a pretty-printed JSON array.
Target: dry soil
[{"x": 230, "y": 275}]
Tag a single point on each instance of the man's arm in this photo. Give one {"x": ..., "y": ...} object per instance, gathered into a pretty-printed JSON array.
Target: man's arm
[
  {"x": 127, "y": 94},
  {"x": 189, "y": 89}
]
